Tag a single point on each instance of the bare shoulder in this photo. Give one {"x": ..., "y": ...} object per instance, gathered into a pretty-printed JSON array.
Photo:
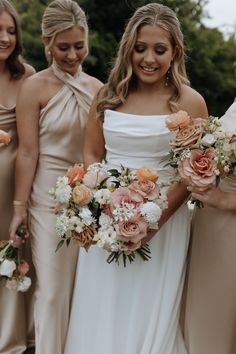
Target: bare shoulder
[
  {"x": 192, "y": 102},
  {"x": 91, "y": 83},
  {"x": 29, "y": 70},
  {"x": 35, "y": 82}
]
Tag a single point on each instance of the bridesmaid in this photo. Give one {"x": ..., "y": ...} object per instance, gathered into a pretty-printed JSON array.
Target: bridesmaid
[
  {"x": 51, "y": 129},
  {"x": 13, "y": 339},
  {"x": 210, "y": 319}
]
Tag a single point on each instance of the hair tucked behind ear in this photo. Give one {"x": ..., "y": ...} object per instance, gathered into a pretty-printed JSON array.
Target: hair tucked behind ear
[
  {"x": 59, "y": 16},
  {"x": 14, "y": 62},
  {"x": 121, "y": 77}
]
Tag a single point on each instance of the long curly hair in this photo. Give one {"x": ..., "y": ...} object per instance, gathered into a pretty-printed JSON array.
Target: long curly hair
[
  {"x": 121, "y": 77},
  {"x": 14, "y": 61},
  {"x": 59, "y": 16}
]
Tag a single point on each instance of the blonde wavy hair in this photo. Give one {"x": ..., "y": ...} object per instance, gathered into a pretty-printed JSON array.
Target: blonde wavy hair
[
  {"x": 59, "y": 16},
  {"x": 121, "y": 76}
]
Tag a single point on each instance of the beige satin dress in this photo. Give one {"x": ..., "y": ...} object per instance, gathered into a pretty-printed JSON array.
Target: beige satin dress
[
  {"x": 15, "y": 323},
  {"x": 210, "y": 318},
  {"x": 61, "y": 130}
]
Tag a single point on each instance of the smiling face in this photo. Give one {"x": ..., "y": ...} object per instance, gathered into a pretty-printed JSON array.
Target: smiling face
[
  {"x": 152, "y": 55},
  {"x": 69, "y": 49},
  {"x": 7, "y": 35}
]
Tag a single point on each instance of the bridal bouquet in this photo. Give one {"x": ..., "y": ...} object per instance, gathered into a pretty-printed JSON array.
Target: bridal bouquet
[
  {"x": 13, "y": 269},
  {"x": 202, "y": 151},
  {"x": 111, "y": 209}
]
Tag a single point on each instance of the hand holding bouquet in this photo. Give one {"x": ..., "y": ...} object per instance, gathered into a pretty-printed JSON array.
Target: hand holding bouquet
[
  {"x": 202, "y": 151},
  {"x": 13, "y": 269},
  {"x": 109, "y": 208}
]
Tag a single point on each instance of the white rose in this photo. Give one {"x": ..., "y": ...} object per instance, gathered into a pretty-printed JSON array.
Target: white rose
[
  {"x": 208, "y": 140},
  {"x": 24, "y": 284},
  {"x": 151, "y": 212},
  {"x": 7, "y": 268}
]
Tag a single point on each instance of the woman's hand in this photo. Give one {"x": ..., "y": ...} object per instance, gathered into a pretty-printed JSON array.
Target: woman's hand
[
  {"x": 19, "y": 219},
  {"x": 215, "y": 197}
]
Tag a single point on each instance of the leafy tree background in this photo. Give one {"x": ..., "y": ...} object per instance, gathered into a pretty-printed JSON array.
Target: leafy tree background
[{"x": 210, "y": 56}]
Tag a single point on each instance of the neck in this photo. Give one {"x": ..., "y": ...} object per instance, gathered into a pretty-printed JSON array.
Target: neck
[{"x": 3, "y": 67}]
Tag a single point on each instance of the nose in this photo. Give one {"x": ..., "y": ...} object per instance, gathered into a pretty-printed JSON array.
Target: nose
[
  {"x": 149, "y": 57},
  {"x": 72, "y": 54},
  {"x": 4, "y": 36}
]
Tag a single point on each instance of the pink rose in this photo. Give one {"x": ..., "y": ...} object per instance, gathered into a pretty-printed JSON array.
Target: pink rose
[
  {"x": 124, "y": 195},
  {"x": 177, "y": 120},
  {"x": 190, "y": 136},
  {"x": 4, "y": 137},
  {"x": 23, "y": 267},
  {"x": 199, "y": 169},
  {"x": 147, "y": 189},
  {"x": 132, "y": 230}
]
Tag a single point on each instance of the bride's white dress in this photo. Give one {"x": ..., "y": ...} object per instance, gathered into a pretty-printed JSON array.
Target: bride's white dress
[{"x": 132, "y": 310}]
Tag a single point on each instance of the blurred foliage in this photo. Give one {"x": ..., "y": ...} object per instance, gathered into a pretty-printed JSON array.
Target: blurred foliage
[{"x": 210, "y": 56}]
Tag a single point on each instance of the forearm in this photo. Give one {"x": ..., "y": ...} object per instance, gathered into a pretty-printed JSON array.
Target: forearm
[
  {"x": 24, "y": 174},
  {"x": 177, "y": 194},
  {"x": 228, "y": 201}
]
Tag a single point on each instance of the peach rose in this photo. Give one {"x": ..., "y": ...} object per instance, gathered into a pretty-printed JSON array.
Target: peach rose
[
  {"x": 132, "y": 230},
  {"x": 81, "y": 195},
  {"x": 189, "y": 136},
  {"x": 199, "y": 169},
  {"x": 4, "y": 137},
  {"x": 177, "y": 120},
  {"x": 147, "y": 189},
  {"x": 146, "y": 174},
  {"x": 75, "y": 174}
]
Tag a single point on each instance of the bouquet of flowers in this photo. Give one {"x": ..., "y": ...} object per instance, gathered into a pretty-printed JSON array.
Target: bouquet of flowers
[
  {"x": 109, "y": 208},
  {"x": 202, "y": 151},
  {"x": 4, "y": 137},
  {"x": 13, "y": 269}
]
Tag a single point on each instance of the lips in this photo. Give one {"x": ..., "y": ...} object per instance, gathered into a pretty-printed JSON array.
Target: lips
[{"x": 148, "y": 69}]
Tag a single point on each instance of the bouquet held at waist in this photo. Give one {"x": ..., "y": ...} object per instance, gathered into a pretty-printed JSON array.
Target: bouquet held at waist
[{"x": 110, "y": 209}]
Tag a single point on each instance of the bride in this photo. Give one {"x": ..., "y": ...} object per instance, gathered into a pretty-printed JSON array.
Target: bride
[{"x": 135, "y": 310}]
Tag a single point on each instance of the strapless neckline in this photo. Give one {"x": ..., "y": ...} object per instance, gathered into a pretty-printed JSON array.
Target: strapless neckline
[{"x": 137, "y": 115}]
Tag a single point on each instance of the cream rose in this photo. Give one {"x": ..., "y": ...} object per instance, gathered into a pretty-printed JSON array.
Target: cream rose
[{"x": 7, "y": 268}]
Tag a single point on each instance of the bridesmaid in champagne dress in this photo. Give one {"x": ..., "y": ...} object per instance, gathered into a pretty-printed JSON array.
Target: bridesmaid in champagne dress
[
  {"x": 51, "y": 127},
  {"x": 210, "y": 318},
  {"x": 13, "y": 319},
  {"x": 135, "y": 310}
]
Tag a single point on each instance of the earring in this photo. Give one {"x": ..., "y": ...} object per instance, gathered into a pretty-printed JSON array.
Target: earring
[
  {"x": 168, "y": 76},
  {"x": 49, "y": 53}
]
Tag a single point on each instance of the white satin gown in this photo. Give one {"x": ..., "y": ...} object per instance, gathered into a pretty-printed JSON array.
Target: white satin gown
[{"x": 132, "y": 310}]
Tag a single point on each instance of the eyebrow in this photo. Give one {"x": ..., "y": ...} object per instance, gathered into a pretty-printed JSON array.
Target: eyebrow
[{"x": 157, "y": 43}]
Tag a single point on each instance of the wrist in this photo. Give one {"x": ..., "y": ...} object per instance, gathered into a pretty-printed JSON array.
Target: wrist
[{"x": 19, "y": 203}]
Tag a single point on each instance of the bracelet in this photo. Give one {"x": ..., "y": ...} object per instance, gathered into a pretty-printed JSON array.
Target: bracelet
[{"x": 19, "y": 203}]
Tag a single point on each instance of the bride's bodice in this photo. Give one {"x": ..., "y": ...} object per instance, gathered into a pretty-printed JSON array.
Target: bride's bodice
[{"x": 136, "y": 140}]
